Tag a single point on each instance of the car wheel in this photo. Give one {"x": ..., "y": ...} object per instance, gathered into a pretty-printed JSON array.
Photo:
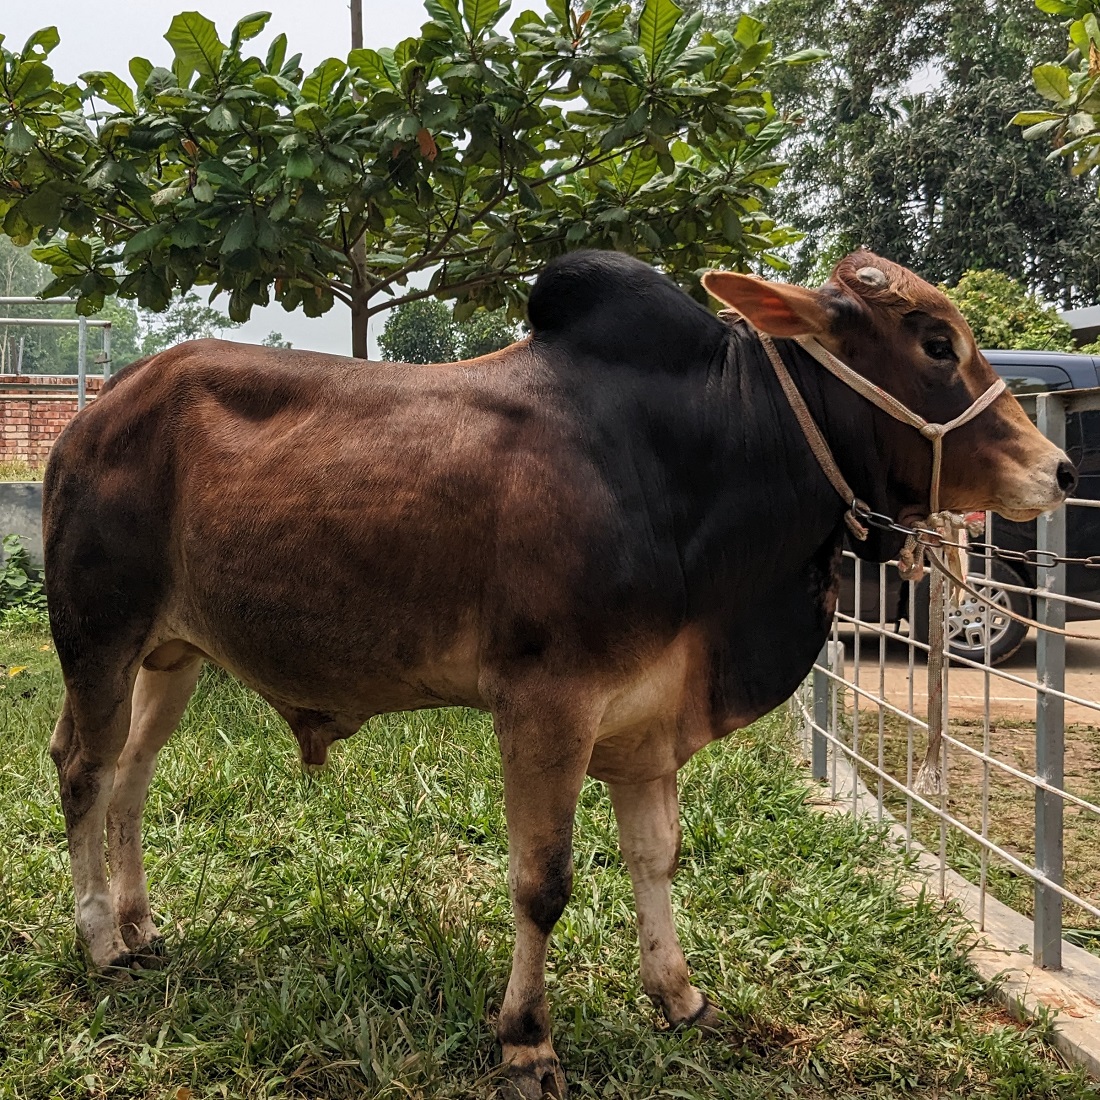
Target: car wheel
[{"x": 967, "y": 624}]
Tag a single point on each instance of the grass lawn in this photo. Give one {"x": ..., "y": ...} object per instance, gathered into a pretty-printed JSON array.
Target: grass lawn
[
  {"x": 348, "y": 934},
  {"x": 19, "y": 469}
]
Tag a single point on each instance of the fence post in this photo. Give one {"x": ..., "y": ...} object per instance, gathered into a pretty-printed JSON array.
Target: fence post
[
  {"x": 819, "y": 747},
  {"x": 1050, "y": 671},
  {"x": 106, "y": 351}
]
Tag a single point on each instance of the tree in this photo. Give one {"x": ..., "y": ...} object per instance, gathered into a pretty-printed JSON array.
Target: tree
[
  {"x": 419, "y": 332},
  {"x": 186, "y": 318},
  {"x": 470, "y": 153},
  {"x": 938, "y": 179},
  {"x": 1071, "y": 87},
  {"x": 127, "y": 339},
  {"x": 275, "y": 340},
  {"x": 1002, "y": 314},
  {"x": 486, "y": 331},
  {"x": 426, "y": 332}
]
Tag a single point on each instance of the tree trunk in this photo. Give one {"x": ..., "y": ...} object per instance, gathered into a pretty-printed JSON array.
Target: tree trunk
[{"x": 360, "y": 304}]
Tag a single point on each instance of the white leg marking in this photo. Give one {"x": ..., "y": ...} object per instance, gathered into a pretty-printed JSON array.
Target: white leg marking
[
  {"x": 160, "y": 699},
  {"x": 649, "y": 836}
]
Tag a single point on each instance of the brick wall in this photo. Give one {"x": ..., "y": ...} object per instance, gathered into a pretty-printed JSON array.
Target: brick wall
[{"x": 31, "y": 417}]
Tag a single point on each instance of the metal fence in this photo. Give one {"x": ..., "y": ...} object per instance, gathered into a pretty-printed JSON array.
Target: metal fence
[
  {"x": 868, "y": 711},
  {"x": 82, "y": 324}
]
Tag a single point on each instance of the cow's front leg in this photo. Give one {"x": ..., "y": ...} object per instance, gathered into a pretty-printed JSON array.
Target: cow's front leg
[
  {"x": 544, "y": 767},
  {"x": 649, "y": 836}
]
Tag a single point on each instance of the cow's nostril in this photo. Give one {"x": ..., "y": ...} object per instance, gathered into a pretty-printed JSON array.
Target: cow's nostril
[{"x": 1067, "y": 477}]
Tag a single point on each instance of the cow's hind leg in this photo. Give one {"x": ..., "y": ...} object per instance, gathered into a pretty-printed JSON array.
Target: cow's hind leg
[
  {"x": 544, "y": 759},
  {"x": 649, "y": 836},
  {"x": 86, "y": 744},
  {"x": 160, "y": 698}
]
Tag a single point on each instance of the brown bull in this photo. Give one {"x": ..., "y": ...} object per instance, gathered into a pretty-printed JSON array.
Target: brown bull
[{"x": 612, "y": 535}]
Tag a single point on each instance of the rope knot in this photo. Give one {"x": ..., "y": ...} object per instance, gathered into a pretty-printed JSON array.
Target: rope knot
[{"x": 933, "y": 431}]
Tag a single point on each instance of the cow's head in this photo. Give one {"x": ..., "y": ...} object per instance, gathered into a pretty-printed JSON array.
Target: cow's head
[{"x": 908, "y": 338}]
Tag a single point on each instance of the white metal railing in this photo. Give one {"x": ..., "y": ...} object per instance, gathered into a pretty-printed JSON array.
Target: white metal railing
[
  {"x": 82, "y": 325},
  {"x": 844, "y": 715}
]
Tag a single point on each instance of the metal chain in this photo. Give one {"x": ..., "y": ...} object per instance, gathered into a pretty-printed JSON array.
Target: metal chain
[{"x": 925, "y": 536}]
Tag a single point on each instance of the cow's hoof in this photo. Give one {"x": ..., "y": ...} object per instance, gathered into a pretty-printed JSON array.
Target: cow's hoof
[
  {"x": 706, "y": 1018},
  {"x": 122, "y": 966},
  {"x": 533, "y": 1078},
  {"x": 152, "y": 955},
  {"x": 143, "y": 938}
]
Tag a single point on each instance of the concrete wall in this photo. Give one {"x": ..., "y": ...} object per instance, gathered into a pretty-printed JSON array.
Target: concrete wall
[{"x": 21, "y": 514}]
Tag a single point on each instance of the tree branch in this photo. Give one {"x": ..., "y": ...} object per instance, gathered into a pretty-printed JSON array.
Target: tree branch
[{"x": 466, "y": 284}]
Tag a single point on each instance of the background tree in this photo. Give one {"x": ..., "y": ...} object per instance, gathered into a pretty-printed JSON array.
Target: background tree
[
  {"x": 1002, "y": 314},
  {"x": 484, "y": 332},
  {"x": 905, "y": 143},
  {"x": 426, "y": 332},
  {"x": 419, "y": 332},
  {"x": 469, "y": 152},
  {"x": 186, "y": 318}
]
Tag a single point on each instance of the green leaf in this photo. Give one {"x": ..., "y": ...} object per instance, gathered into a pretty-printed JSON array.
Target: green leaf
[
  {"x": 803, "y": 57},
  {"x": 18, "y": 139},
  {"x": 106, "y": 172},
  {"x": 1030, "y": 118},
  {"x": 250, "y": 26},
  {"x": 527, "y": 195},
  {"x": 377, "y": 66},
  {"x": 31, "y": 78},
  {"x": 749, "y": 31},
  {"x": 172, "y": 193},
  {"x": 189, "y": 233},
  {"x": 241, "y": 233},
  {"x": 276, "y": 54},
  {"x": 655, "y": 25},
  {"x": 43, "y": 208},
  {"x": 299, "y": 165},
  {"x": 322, "y": 80},
  {"x": 194, "y": 39},
  {"x": 480, "y": 14},
  {"x": 1051, "y": 82},
  {"x": 144, "y": 240},
  {"x": 1055, "y": 7},
  {"x": 222, "y": 120},
  {"x": 140, "y": 70},
  {"x": 1040, "y": 128},
  {"x": 44, "y": 41},
  {"x": 113, "y": 89}
]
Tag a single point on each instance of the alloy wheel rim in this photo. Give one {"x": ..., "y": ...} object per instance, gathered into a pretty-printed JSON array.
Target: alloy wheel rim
[{"x": 966, "y": 624}]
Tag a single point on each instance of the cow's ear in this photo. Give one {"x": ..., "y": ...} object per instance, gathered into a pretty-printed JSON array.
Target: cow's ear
[{"x": 776, "y": 308}]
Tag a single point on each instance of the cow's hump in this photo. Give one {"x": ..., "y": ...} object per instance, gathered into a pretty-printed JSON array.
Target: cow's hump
[{"x": 612, "y": 304}]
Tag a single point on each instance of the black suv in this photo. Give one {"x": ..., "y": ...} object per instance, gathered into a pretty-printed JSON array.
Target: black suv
[{"x": 1025, "y": 372}]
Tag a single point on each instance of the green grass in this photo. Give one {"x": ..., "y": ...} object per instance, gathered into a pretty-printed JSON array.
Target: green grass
[
  {"x": 19, "y": 469},
  {"x": 348, "y": 935}
]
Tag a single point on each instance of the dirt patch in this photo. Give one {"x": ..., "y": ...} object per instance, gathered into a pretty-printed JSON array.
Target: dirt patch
[{"x": 1006, "y": 812}]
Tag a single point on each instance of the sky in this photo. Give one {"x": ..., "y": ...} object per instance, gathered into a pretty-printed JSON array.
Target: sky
[{"x": 107, "y": 33}]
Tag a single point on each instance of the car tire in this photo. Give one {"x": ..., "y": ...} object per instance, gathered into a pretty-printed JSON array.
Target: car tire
[{"x": 965, "y": 624}]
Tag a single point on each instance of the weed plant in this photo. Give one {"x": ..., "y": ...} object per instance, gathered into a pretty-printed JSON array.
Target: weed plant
[{"x": 347, "y": 935}]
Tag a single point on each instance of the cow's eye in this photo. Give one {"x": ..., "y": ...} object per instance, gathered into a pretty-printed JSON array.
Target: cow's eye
[{"x": 939, "y": 348}]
